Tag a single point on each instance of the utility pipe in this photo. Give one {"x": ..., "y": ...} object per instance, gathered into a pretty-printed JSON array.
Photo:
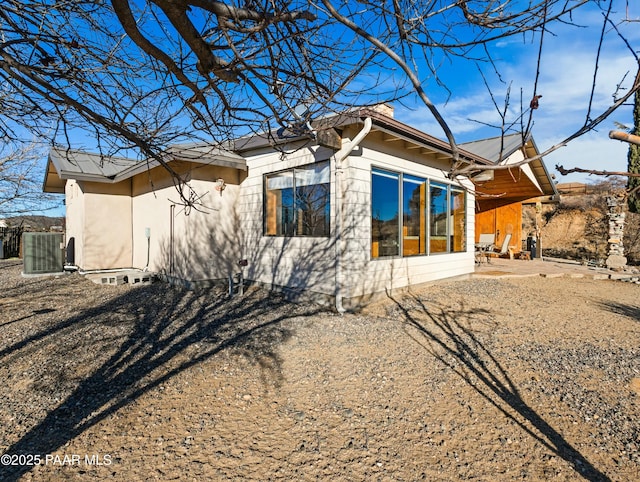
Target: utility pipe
[
  {"x": 172, "y": 212},
  {"x": 338, "y": 157},
  {"x": 83, "y": 272}
]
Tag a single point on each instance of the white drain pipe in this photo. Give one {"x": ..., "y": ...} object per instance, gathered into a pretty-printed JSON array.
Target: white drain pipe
[{"x": 338, "y": 157}]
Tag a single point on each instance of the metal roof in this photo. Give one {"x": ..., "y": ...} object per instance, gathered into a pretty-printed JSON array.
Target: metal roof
[
  {"x": 84, "y": 166},
  {"x": 499, "y": 149},
  {"x": 495, "y": 149}
]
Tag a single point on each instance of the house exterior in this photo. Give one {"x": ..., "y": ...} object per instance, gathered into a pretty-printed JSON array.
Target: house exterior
[
  {"x": 361, "y": 206},
  {"x": 501, "y": 194}
]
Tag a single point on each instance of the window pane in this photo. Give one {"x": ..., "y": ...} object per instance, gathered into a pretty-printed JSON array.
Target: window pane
[
  {"x": 458, "y": 221},
  {"x": 438, "y": 218},
  {"x": 297, "y": 201},
  {"x": 312, "y": 200},
  {"x": 385, "y": 222},
  {"x": 279, "y": 211},
  {"x": 414, "y": 223}
]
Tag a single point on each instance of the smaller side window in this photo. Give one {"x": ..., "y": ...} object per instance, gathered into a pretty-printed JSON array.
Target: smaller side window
[{"x": 297, "y": 201}]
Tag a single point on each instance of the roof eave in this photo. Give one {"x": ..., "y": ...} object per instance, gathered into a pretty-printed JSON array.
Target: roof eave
[
  {"x": 221, "y": 158},
  {"x": 357, "y": 116}
]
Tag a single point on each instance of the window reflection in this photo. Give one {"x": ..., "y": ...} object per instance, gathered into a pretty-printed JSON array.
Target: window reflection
[
  {"x": 414, "y": 194},
  {"x": 297, "y": 201},
  {"x": 384, "y": 213},
  {"x": 458, "y": 220},
  {"x": 413, "y": 216},
  {"x": 438, "y": 218}
]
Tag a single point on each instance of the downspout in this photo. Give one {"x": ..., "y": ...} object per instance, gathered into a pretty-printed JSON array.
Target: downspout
[
  {"x": 172, "y": 211},
  {"x": 338, "y": 157},
  {"x": 132, "y": 223}
]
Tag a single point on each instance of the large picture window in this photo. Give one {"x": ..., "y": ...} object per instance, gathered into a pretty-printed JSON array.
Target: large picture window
[
  {"x": 438, "y": 218},
  {"x": 385, "y": 215},
  {"x": 297, "y": 201},
  {"x": 414, "y": 216},
  {"x": 414, "y": 232}
]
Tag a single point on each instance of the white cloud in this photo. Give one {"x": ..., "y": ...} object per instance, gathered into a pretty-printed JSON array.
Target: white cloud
[
  {"x": 566, "y": 78},
  {"x": 594, "y": 151}
]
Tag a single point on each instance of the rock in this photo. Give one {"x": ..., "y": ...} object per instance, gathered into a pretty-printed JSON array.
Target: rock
[
  {"x": 635, "y": 385},
  {"x": 615, "y": 261}
]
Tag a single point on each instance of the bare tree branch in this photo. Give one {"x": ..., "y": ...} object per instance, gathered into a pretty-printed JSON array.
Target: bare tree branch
[
  {"x": 625, "y": 136},
  {"x": 595, "y": 172},
  {"x": 132, "y": 78},
  {"x": 20, "y": 181}
]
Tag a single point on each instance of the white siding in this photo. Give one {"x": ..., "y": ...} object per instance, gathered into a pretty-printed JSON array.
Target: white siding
[
  {"x": 297, "y": 263},
  {"x": 301, "y": 263},
  {"x": 364, "y": 275}
]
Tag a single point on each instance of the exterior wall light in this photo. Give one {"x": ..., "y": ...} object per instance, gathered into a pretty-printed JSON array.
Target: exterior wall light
[{"x": 220, "y": 185}]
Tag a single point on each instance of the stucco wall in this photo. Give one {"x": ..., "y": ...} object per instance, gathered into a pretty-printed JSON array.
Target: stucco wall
[
  {"x": 106, "y": 226},
  {"x": 74, "y": 203},
  {"x": 198, "y": 243}
]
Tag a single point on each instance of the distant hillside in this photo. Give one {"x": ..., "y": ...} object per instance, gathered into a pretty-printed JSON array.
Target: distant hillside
[
  {"x": 35, "y": 223},
  {"x": 578, "y": 226}
]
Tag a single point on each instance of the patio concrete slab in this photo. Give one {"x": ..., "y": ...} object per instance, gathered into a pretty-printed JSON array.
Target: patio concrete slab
[{"x": 548, "y": 267}]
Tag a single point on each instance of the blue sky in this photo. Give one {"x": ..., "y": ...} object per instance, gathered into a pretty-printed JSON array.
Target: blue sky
[{"x": 566, "y": 76}]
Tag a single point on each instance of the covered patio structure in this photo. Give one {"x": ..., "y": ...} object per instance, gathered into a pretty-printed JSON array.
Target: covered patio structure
[{"x": 501, "y": 193}]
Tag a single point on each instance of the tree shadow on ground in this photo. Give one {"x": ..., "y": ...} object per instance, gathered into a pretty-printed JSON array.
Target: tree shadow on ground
[
  {"x": 448, "y": 335},
  {"x": 630, "y": 311},
  {"x": 136, "y": 342}
]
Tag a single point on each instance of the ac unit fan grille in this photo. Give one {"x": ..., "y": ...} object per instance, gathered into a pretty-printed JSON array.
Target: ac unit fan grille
[{"x": 43, "y": 253}]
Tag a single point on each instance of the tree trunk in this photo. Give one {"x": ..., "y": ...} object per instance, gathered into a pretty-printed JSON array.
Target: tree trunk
[{"x": 633, "y": 160}]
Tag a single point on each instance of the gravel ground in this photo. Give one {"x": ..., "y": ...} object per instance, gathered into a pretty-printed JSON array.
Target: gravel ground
[{"x": 483, "y": 379}]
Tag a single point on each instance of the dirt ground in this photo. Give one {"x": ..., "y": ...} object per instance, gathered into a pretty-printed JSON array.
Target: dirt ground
[{"x": 482, "y": 379}]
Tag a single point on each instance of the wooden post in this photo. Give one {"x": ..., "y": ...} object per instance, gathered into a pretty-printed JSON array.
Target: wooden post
[{"x": 538, "y": 230}]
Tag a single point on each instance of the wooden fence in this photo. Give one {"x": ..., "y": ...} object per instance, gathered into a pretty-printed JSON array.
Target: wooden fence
[{"x": 11, "y": 241}]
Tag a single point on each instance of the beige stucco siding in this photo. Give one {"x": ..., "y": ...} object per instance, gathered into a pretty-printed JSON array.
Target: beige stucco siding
[
  {"x": 106, "y": 240},
  {"x": 198, "y": 243},
  {"x": 74, "y": 202}
]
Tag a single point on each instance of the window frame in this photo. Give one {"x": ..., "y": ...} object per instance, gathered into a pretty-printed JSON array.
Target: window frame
[
  {"x": 295, "y": 220},
  {"x": 448, "y": 218},
  {"x": 398, "y": 242}
]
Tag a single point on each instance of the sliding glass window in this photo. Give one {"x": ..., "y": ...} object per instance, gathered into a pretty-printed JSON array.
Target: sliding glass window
[
  {"x": 438, "y": 231},
  {"x": 458, "y": 216},
  {"x": 414, "y": 223}
]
